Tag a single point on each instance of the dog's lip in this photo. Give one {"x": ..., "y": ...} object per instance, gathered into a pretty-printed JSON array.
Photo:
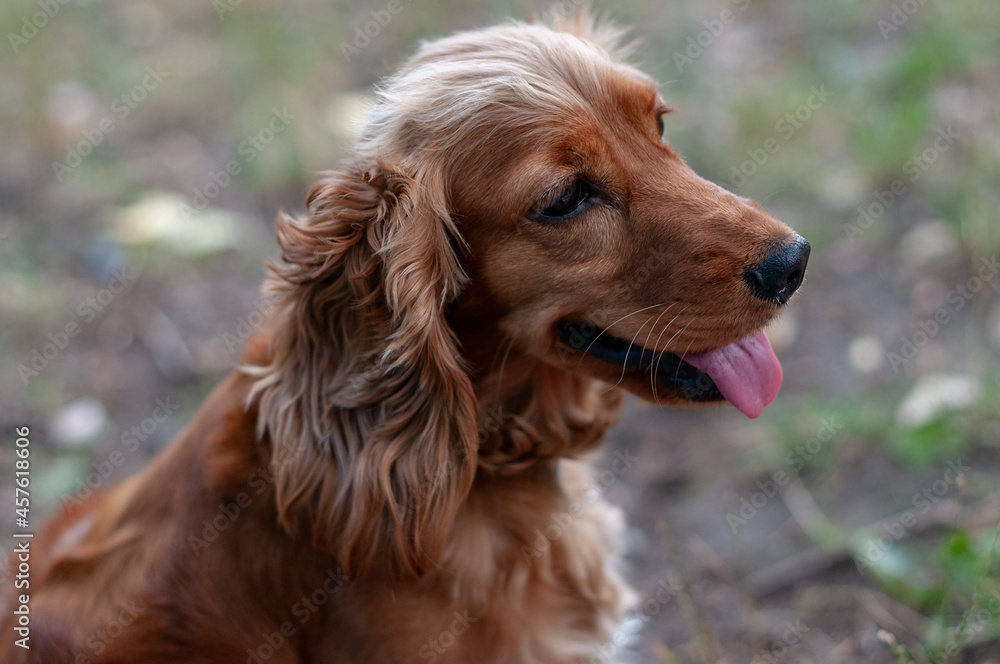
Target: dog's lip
[{"x": 689, "y": 382}]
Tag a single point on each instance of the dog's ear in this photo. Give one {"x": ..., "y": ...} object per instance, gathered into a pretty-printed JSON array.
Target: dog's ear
[{"x": 369, "y": 411}]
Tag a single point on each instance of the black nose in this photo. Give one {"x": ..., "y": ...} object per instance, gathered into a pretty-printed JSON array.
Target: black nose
[{"x": 779, "y": 275}]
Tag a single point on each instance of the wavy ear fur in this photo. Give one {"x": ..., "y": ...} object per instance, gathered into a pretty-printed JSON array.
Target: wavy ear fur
[{"x": 370, "y": 414}]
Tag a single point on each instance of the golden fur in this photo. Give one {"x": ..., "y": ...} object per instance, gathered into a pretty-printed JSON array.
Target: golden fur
[{"x": 405, "y": 433}]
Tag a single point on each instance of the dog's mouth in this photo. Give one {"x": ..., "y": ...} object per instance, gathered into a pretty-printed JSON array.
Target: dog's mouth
[{"x": 746, "y": 373}]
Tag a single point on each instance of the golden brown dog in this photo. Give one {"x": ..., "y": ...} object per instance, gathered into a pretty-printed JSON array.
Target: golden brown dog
[{"x": 511, "y": 244}]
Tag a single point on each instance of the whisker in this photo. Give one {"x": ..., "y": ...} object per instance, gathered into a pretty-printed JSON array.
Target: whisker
[
  {"x": 653, "y": 326},
  {"x": 656, "y": 365},
  {"x": 671, "y": 340},
  {"x": 685, "y": 351},
  {"x": 627, "y": 350},
  {"x": 770, "y": 195},
  {"x": 652, "y": 373},
  {"x": 608, "y": 327},
  {"x": 676, "y": 334},
  {"x": 503, "y": 365}
]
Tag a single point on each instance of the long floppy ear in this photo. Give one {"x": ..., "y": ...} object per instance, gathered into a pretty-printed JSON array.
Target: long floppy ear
[{"x": 370, "y": 414}]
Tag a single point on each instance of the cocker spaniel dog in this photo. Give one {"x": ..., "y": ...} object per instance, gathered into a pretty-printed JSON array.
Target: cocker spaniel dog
[{"x": 510, "y": 247}]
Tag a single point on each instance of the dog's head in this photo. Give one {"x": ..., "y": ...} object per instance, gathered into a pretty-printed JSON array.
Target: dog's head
[
  {"x": 590, "y": 243},
  {"x": 515, "y": 179},
  {"x": 601, "y": 249}
]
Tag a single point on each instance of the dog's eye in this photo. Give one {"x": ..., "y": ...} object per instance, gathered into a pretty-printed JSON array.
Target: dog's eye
[
  {"x": 565, "y": 201},
  {"x": 660, "y": 112}
]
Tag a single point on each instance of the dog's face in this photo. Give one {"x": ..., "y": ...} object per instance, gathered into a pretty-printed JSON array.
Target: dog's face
[
  {"x": 607, "y": 254},
  {"x": 588, "y": 241}
]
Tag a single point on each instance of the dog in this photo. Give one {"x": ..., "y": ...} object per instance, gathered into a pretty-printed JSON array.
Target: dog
[{"x": 395, "y": 471}]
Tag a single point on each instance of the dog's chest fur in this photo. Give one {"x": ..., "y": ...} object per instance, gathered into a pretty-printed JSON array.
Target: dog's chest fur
[{"x": 534, "y": 582}]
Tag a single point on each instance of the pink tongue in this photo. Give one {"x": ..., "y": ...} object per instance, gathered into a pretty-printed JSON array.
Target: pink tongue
[{"x": 746, "y": 372}]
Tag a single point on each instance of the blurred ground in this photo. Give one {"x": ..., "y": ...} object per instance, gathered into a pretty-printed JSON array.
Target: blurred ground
[{"x": 148, "y": 145}]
